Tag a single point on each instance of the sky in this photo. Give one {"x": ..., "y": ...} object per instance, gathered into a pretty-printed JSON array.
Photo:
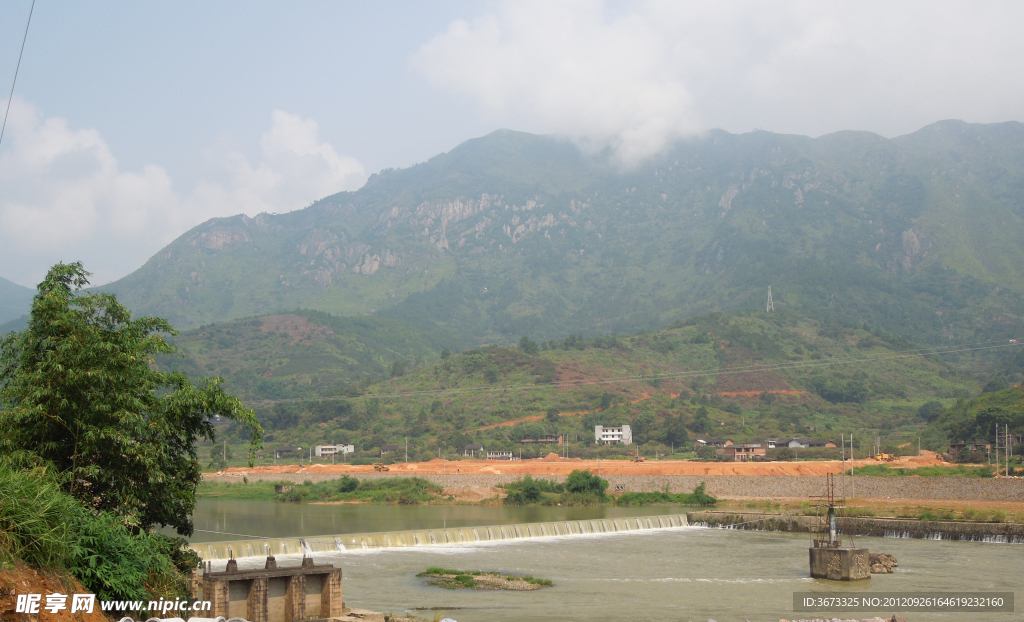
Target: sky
[{"x": 133, "y": 122}]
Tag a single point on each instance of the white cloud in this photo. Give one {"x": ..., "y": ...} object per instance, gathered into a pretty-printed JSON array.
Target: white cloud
[
  {"x": 63, "y": 196},
  {"x": 636, "y": 76}
]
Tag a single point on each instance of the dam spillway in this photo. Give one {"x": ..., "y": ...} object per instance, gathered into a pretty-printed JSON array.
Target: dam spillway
[{"x": 239, "y": 549}]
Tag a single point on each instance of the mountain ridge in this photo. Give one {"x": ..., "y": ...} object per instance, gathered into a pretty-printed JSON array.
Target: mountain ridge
[
  {"x": 510, "y": 233},
  {"x": 14, "y": 300}
]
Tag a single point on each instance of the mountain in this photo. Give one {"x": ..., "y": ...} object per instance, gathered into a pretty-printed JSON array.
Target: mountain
[
  {"x": 743, "y": 376},
  {"x": 15, "y": 300},
  {"x": 299, "y": 354},
  {"x": 515, "y": 234}
]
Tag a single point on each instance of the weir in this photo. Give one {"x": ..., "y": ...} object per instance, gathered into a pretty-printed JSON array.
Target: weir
[{"x": 238, "y": 549}]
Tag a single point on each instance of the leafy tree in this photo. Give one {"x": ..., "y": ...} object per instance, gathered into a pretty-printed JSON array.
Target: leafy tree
[
  {"x": 398, "y": 369},
  {"x": 993, "y": 386},
  {"x": 528, "y": 490},
  {"x": 701, "y": 423},
  {"x": 446, "y": 354},
  {"x": 552, "y": 414},
  {"x": 220, "y": 455},
  {"x": 528, "y": 346},
  {"x": 707, "y": 453},
  {"x": 675, "y": 430},
  {"x": 585, "y": 482},
  {"x": 930, "y": 410},
  {"x": 606, "y": 400},
  {"x": 78, "y": 391},
  {"x": 642, "y": 425}
]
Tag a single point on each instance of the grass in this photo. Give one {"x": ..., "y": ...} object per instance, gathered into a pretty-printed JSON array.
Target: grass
[
  {"x": 454, "y": 579},
  {"x": 250, "y": 491},
  {"x": 697, "y": 497},
  {"x": 883, "y": 470},
  {"x": 402, "y": 490}
]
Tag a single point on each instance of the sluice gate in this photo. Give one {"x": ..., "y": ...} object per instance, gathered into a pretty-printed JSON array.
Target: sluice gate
[{"x": 238, "y": 549}]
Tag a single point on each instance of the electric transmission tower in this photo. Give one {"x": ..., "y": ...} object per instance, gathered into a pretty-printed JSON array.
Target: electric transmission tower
[{"x": 771, "y": 303}]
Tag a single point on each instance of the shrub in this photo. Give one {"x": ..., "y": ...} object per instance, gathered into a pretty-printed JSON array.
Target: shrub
[{"x": 587, "y": 483}]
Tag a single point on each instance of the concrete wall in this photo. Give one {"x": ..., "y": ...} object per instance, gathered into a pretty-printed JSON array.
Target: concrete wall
[{"x": 732, "y": 486}]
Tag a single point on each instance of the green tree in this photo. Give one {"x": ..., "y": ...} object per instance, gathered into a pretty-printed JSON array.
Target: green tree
[
  {"x": 220, "y": 455},
  {"x": 586, "y": 482},
  {"x": 552, "y": 414},
  {"x": 78, "y": 391},
  {"x": 398, "y": 369},
  {"x": 445, "y": 354},
  {"x": 528, "y": 346},
  {"x": 701, "y": 423}
]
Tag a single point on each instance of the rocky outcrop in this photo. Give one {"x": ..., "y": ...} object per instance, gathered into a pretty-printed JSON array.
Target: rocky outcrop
[{"x": 881, "y": 563}]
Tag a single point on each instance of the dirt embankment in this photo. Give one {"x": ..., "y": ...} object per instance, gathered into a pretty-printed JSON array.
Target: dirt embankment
[
  {"x": 553, "y": 465},
  {"x": 24, "y": 580}
]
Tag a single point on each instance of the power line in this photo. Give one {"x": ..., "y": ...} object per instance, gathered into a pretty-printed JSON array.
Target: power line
[
  {"x": 15, "y": 81},
  {"x": 921, "y": 352}
]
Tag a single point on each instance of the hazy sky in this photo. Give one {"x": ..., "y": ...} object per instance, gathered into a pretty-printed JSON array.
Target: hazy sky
[{"x": 133, "y": 122}]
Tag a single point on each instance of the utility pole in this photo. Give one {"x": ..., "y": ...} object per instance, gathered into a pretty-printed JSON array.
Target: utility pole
[
  {"x": 407, "y": 450},
  {"x": 771, "y": 303},
  {"x": 997, "y": 450},
  {"x": 853, "y": 485},
  {"x": 842, "y": 443}
]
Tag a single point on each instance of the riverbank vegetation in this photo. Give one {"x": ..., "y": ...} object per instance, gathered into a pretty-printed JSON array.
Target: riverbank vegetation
[
  {"x": 98, "y": 448},
  {"x": 884, "y": 470},
  {"x": 925, "y": 509},
  {"x": 401, "y": 490},
  {"x": 482, "y": 580},
  {"x": 699, "y": 496}
]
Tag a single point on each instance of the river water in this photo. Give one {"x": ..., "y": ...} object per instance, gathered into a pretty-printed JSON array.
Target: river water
[
  {"x": 683, "y": 574},
  {"x": 219, "y": 520}
]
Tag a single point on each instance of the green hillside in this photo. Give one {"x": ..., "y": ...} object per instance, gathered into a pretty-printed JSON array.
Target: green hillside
[
  {"x": 976, "y": 419},
  {"x": 743, "y": 376},
  {"x": 514, "y": 234}
]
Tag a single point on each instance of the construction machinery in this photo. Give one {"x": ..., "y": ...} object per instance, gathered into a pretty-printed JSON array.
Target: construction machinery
[
  {"x": 885, "y": 457},
  {"x": 636, "y": 457},
  {"x": 381, "y": 467}
]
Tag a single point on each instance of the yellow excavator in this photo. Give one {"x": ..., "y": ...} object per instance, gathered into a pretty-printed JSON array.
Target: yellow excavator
[{"x": 381, "y": 467}]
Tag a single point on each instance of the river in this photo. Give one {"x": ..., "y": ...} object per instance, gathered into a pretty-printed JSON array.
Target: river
[{"x": 678, "y": 574}]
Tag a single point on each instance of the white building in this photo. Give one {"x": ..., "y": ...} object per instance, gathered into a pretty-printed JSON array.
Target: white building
[
  {"x": 326, "y": 451},
  {"x": 608, "y": 435}
]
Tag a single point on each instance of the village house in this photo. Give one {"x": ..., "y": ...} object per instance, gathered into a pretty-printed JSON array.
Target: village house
[
  {"x": 549, "y": 439},
  {"x": 500, "y": 455},
  {"x": 742, "y": 453},
  {"x": 717, "y": 443},
  {"x": 386, "y": 449},
  {"x": 613, "y": 434},
  {"x": 326, "y": 451},
  {"x": 472, "y": 449}
]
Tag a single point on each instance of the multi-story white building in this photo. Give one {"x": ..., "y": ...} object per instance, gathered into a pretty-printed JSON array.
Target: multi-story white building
[
  {"x": 325, "y": 451},
  {"x": 610, "y": 434}
]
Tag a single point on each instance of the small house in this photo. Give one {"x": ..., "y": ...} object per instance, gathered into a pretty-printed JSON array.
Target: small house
[
  {"x": 472, "y": 449},
  {"x": 743, "y": 453}
]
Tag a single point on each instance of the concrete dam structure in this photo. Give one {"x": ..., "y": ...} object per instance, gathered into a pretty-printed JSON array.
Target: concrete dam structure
[{"x": 239, "y": 549}]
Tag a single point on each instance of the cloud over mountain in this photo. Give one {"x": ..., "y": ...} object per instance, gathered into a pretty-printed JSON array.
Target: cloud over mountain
[
  {"x": 64, "y": 197},
  {"x": 635, "y": 76}
]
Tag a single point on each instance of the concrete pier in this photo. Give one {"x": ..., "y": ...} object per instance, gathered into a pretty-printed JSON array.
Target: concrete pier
[
  {"x": 273, "y": 594},
  {"x": 837, "y": 564}
]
